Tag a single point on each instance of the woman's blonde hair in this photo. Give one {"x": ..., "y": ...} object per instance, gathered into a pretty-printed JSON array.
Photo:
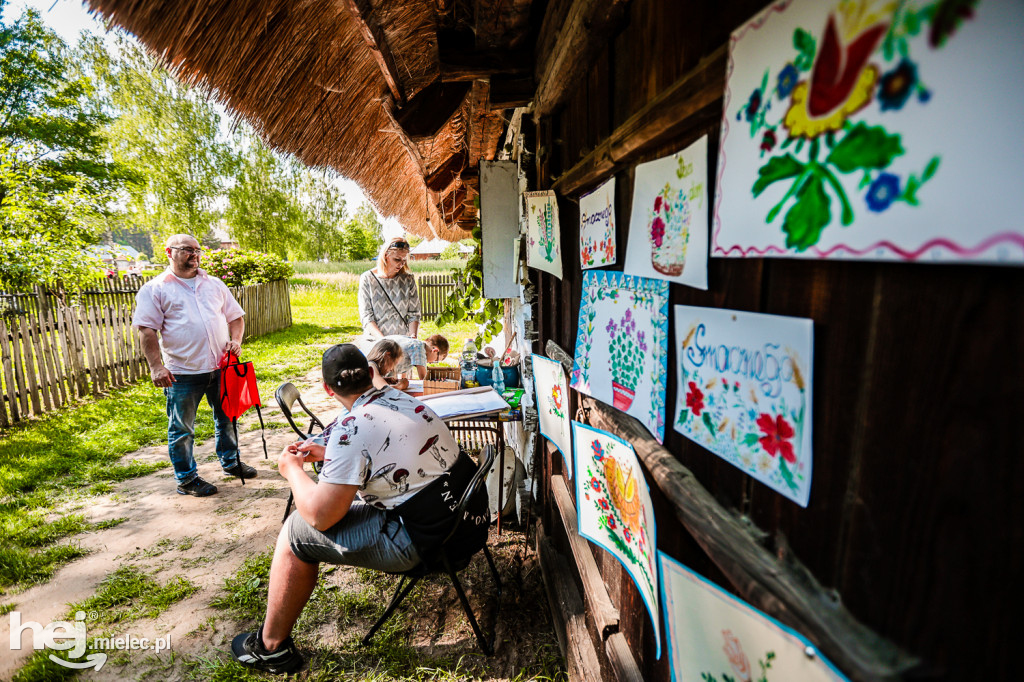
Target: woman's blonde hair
[
  {"x": 387, "y": 246},
  {"x": 385, "y": 354}
]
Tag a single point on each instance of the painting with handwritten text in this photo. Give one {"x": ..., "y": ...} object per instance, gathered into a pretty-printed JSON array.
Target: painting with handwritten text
[
  {"x": 668, "y": 226},
  {"x": 744, "y": 392},
  {"x": 542, "y": 232},
  {"x": 622, "y": 345},
  {"x": 713, "y": 636},
  {"x": 874, "y": 129},
  {"x": 597, "y": 227},
  {"x": 613, "y": 505},
  {"x": 553, "y": 405}
]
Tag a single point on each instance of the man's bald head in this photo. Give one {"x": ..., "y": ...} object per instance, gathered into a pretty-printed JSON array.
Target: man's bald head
[{"x": 181, "y": 240}]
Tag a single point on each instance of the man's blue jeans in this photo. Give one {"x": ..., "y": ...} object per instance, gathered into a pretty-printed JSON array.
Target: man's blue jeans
[{"x": 183, "y": 398}]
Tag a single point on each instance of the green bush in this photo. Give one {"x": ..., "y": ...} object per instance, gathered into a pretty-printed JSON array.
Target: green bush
[{"x": 238, "y": 267}]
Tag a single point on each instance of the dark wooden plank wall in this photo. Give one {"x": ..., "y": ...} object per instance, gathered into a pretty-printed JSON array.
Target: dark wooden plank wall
[{"x": 916, "y": 511}]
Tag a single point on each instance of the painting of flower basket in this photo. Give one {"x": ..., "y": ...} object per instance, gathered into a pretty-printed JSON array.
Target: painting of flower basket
[
  {"x": 668, "y": 236},
  {"x": 553, "y": 406},
  {"x": 745, "y": 392},
  {"x": 622, "y": 345},
  {"x": 874, "y": 129},
  {"x": 714, "y": 637},
  {"x": 543, "y": 235},
  {"x": 597, "y": 227},
  {"x": 614, "y": 509}
]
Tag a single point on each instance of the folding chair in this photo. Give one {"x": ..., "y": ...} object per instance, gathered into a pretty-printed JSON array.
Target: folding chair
[
  {"x": 451, "y": 557},
  {"x": 287, "y": 396}
]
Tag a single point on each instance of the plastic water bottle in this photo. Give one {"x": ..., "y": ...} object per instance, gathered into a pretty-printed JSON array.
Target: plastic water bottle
[
  {"x": 498, "y": 377},
  {"x": 469, "y": 364}
]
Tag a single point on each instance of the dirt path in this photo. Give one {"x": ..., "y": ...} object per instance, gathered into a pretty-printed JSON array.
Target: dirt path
[{"x": 205, "y": 540}]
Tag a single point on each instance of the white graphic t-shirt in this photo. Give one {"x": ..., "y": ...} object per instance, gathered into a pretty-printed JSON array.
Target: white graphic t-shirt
[{"x": 390, "y": 445}]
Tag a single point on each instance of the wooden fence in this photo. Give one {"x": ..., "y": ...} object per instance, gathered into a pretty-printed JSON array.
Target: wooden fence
[
  {"x": 53, "y": 353},
  {"x": 434, "y": 290}
]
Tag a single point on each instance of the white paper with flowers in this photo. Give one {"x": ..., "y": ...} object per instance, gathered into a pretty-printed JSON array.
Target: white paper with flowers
[
  {"x": 543, "y": 235},
  {"x": 874, "y": 129},
  {"x": 553, "y": 405},
  {"x": 744, "y": 392},
  {"x": 668, "y": 226},
  {"x": 622, "y": 345},
  {"x": 597, "y": 227},
  {"x": 613, "y": 505},
  {"x": 714, "y": 637}
]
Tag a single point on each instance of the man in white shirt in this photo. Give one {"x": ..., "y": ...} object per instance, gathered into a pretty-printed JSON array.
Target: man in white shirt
[{"x": 186, "y": 321}]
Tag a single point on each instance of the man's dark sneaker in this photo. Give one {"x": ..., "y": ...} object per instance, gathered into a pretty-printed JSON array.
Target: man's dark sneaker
[
  {"x": 197, "y": 487},
  {"x": 241, "y": 470},
  {"x": 247, "y": 648}
]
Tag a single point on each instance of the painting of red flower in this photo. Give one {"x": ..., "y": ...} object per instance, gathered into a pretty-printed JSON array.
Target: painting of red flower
[
  {"x": 777, "y": 434},
  {"x": 695, "y": 399}
]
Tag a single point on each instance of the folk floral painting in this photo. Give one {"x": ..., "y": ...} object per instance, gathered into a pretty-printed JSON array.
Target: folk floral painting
[
  {"x": 542, "y": 234},
  {"x": 714, "y": 637},
  {"x": 668, "y": 226},
  {"x": 876, "y": 129},
  {"x": 614, "y": 509},
  {"x": 553, "y": 406},
  {"x": 744, "y": 392},
  {"x": 597, "y": 227},
  {"x": 622, "y": 345}
]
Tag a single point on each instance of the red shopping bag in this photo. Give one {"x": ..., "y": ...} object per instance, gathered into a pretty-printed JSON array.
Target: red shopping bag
[{"x": 238, "y": 392}]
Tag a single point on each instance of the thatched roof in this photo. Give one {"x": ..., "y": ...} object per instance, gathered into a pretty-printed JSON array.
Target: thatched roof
[{"x": 355, "y": 85}]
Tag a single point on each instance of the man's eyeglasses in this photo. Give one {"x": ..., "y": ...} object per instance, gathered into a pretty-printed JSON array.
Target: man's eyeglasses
[
  {"x": 192, "y": 251},
  {"x": 401, "y": 246}
]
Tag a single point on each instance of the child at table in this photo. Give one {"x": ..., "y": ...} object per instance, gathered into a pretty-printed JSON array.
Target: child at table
[{"x": 383, "y": 358}]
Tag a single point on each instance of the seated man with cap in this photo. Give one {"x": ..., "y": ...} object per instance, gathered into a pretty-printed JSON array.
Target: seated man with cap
[{"x": 386, "y": 449}]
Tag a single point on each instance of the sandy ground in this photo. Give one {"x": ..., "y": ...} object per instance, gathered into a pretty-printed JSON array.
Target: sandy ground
[{"x": 219, "y": 531}]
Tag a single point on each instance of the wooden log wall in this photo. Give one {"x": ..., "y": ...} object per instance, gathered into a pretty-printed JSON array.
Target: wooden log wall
[
  {"x": 54, "y": 354},
  {"x": 916, "y": 521}
]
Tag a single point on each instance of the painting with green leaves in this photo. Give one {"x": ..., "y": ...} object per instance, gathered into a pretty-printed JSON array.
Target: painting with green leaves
[{"x": 877, "y": 129}]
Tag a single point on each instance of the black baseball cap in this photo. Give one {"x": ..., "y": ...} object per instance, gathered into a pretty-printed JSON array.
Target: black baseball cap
[{"x": 339, "y": 357}]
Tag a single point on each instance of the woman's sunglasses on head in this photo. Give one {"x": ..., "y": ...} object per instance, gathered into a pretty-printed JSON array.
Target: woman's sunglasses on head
[{"x": 401, "y": 246}]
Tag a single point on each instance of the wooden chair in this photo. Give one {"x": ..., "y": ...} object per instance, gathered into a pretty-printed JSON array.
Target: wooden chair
[
  {"x": 450, "y": 557},
  {"x": 287, "y": 397}
]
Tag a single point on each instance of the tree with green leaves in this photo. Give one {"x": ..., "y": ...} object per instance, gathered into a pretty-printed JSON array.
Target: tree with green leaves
[
  {"x": 55, "y": 180},
  {"x": 362, "y": 234},
  {"x": 324, "y": 215}
]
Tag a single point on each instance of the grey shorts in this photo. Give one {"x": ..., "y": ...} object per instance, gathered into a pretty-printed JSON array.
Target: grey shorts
[{"x": 364, "y": 537}]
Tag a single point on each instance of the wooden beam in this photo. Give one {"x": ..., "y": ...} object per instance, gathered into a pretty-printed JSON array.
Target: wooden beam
[
  {"x": 443, "y": 176},
  {"x": 586, "y": 30},
  {"x": 780, "y": 586},
  {"x": 620, "y": 659},
  {"x": 470, "y": 66},
  {"x": 606, "y": 616},
  {"x": 693, "y": 101},
  {"x": 376, "y": 40},
  {"x": 427, "y": 112}
]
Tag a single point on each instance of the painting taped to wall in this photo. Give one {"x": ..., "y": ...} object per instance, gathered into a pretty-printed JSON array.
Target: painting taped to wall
[
  {"x": 622, "y": 345},
  {"x": 876, "y": 130},
  {"x": 715, "y": 637},
  {"x": 668, "y": 226},
  {"x": 597, "y": 227},
  {"x": 542, "y": 233},
  {"x": 613, "y": 505},
  {"x": 553, "y": 406},
  {"x": 745, "y": 392}
]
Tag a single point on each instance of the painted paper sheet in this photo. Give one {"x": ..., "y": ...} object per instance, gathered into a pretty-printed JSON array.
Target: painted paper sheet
[
  {"x": 613, "y": 505},
  {"x": 622, "y": 345},
  {"x": 715, "y": 637},
  {"x": 553, "y": 406},
  {"x": 597, "y": 227},
  {"x": 878, "y": 130},
  {"x": 745, "y": 392},
  {"x": 668, "y": 226},
  {"x": 543, "y": 235}
]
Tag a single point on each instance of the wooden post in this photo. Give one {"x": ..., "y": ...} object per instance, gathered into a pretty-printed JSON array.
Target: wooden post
[
  {"x": 23, "y": 368},
  {"x": 94, "y": 362},
  {"x": 53, "y": 354},
  {"x": 38, "y": 365},
  {"x": 8, "y": 370}
]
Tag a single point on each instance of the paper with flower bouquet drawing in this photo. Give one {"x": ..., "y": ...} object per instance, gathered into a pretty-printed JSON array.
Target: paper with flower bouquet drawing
[
  {"x": 874, "y": 129},
  {"x": 622, "y": 345},
  {"x": 542, "y": 232},
  {"x": 613, "y": 505},
  {"x": 744, "y": 392},
  {"x": 668, "y": 226},
  {"x": 553, "y": 406},
  {"x": 597, "y": 227},
  {"x": 715, "y": 637}
]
